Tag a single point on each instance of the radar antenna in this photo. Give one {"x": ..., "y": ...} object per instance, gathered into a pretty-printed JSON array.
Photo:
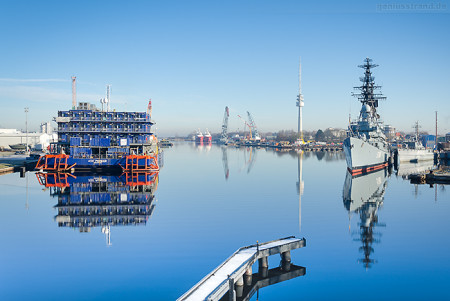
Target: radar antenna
[{"x": 367, "y": 95}]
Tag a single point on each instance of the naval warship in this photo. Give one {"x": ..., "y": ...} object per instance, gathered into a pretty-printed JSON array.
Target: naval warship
[{"x": 366, "y": 148}]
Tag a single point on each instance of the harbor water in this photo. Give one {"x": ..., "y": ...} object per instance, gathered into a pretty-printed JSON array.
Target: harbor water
[{"x": 371, "y": 237}]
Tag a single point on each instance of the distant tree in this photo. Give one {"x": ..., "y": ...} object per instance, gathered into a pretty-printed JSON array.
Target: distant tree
[
  {"x": 320, "y": 136},
  {"x": 287, "y": 135}
]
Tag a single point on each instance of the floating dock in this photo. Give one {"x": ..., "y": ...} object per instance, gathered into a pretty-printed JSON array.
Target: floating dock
[
  {"x": 236, "y": 271},
  {"x": 432, "y": 177}
]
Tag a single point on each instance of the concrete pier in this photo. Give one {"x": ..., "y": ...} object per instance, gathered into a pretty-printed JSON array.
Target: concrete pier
[
  {"x": 6, "y": 168},
  {"x": 230, "y": 275}
]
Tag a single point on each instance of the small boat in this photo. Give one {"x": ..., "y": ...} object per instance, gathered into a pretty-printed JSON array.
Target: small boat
[
  {"x": 18, "y": 146},
  {"x": 165, "y": 143}
]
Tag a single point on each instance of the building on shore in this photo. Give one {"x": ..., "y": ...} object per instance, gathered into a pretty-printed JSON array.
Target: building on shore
[{"x": 35, "y": 140}]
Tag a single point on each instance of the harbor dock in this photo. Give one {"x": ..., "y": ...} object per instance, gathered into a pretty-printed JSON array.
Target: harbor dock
[
  {"x": 10, "y": 162},
  {"x": 6, "y": 168},
  {"x": 438, "y": 176},
  {"x": 236, "y": 271}
]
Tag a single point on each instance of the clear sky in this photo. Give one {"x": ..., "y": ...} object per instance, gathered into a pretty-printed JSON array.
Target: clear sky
[{"x": 193, "y": 58}]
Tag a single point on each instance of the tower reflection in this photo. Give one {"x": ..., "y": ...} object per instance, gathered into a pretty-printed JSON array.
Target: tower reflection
[
  {"x": 300, "y": 188},
  {"x": 91, "y": 200},
  {"x": 364, "y": 195}
]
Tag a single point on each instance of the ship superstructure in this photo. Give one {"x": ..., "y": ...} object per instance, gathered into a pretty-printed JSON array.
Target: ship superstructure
[
  {"x": 199, "y": 137},
  {"x": 89, "y": 138},
  {"x": 207, "y": 138},
  {"x": 366, "y": 148}
]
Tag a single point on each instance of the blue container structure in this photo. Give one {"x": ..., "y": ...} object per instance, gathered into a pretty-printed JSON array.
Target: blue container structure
[
  {"x": 429, "y": 141},
  {"x": 97, "y": 140}
]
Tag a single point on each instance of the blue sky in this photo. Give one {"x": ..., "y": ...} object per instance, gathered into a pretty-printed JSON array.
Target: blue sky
[{"x": 193, "y": 58}]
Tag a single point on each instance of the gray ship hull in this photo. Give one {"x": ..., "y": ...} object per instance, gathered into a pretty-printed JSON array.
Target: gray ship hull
[
  {"x": 363, "y": 157},
  {"x": 411, "y": 155}
]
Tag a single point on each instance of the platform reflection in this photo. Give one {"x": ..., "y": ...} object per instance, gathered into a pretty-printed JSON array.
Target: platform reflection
[{"x": 85, "y": 201}]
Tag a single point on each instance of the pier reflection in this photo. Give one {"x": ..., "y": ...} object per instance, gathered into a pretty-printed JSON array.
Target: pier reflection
[
  {"x": 327, "y": 156},
  {"x": 86, "y": 201},
  {"x": 274, "y": 276},
  {"x": 364, "y": 195}
]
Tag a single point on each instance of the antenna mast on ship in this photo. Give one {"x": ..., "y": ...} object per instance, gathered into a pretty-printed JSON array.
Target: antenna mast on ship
[
  {"x": 416, "y": 128},
  {"x": 74, "y": 92},
  {"x": 367, "y": 95}
]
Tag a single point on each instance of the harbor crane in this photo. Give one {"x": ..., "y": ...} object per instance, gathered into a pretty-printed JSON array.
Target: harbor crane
[
  {"x": 249, "y": 127},
  {"x": 253, "y": 125},
  {"x": 224, "y": 136}
]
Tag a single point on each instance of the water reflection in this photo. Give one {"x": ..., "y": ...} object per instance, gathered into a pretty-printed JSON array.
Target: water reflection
[
  {"x": 327, "y": 156},
  {"x": 407, "y": 168},
  {"x": 91, "y": 200},
  {"x": 363, "y": 195},
  {"x": 300, "y": 187},
  {"x": 249, "y": 158},
  {"x": 226, "y": 170},
  {"x": 274, "y": 276}
]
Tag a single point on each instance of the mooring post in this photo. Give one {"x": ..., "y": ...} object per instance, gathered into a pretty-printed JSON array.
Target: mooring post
[
  {"x": 23, "y": 171},
  {"x": 263, "y": 267},
  {"x": 248, "y": 276},
  {"x": 239, "y": 287},
  {"x": 286, "y": 261},
  {"x": 231, "y": 291}
]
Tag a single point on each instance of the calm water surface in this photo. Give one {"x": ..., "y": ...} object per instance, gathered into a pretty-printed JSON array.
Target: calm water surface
[{"x": 374, "y": 237}]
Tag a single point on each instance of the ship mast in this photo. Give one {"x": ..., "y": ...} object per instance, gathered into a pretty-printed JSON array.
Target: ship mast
[{"x": 367, "y": 94}]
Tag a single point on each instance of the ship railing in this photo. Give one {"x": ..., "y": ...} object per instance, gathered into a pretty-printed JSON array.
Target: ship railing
[
  {"x": 118, "y": 130},
  {"x": 105, "y": 118}
]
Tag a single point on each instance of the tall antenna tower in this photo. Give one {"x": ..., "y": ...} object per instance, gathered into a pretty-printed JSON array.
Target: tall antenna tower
[
  {"x": 300, "y": 103},
  {"x": 74, "y": 92}
]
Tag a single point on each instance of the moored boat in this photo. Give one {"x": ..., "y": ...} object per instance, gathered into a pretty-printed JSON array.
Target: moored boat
[
  {"x": 207, "y": 138},
  {"x": 18, "y": 146},
  {"x": 199, "y": 137},
  {"x": 413, "y": 150},
  {"x": 94, "y": 139}
]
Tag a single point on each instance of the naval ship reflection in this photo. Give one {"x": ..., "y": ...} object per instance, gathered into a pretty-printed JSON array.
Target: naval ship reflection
[
  {"x": 407, "y": 168},
  {"x": 363, "y": 195},
  {"x": 91, "y": 200}
]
